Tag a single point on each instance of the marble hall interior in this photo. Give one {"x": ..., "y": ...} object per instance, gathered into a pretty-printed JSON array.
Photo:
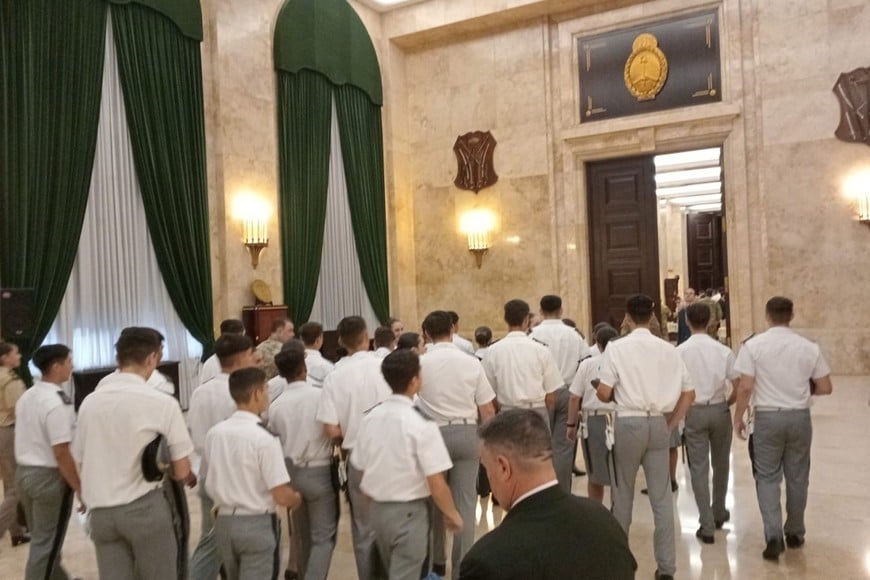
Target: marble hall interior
[{"x": 174, "y": 163}]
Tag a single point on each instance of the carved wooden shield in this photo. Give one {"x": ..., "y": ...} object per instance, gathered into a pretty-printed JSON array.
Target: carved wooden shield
[
  {"x": 853, "y": 92},
  {"x": 474, "y": 152}
]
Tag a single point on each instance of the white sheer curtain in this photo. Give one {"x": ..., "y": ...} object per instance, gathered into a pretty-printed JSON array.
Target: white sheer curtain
[
  {"x": 340, "y": 288},
  {"x": 115, "y": 281}
]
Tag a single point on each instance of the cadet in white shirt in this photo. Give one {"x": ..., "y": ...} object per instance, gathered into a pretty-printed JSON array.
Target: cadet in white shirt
[
  {"x": 46, "y": 478},
  {"x": 780, "y": 370},
  {"x": 596, "y": 414},
  {"x": 708, "y": 421},
  {"x": 131, "y": 519},
  {"x": 210, "y": 404},
  {"x": 403, "y": 459},
  {"x": 463, "y": 344},
  {"x": 454, "y": 391},
  {"x": 354, "y": 387},
  {"x": 318, "y": 367},
  {"x": 212, "y": 366},
  {"x": 483, "y": 338},
  {"x": 522, "y": 372},
  {"x": 308, "y": 455},
  {"x": 385, "y": 341},
  {"x": 247, "y": 478},
  {"x": 646, "y": 378},
  {"x": 567, "y": 348}
]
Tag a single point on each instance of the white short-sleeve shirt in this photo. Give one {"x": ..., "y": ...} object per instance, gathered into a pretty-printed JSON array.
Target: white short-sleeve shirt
[
  {"x": 710, "y": 364},
  {"x": 210, "y": 369},
  {"x": 116, "y": 422},
  {"x": 350, "y": 390},
  {"x": 44, "y": 417},
  {"x": 582, "y": 386},
  {"x": 463, "y": 344},
  {"x": 782, "y": 362},
  {"x": 318, "y": 367},
  {"x": 564, "y": 343},
  {"x": 210, "y": 404},
  {"x": 397, "y": 449},
  {"x": 245, "y": 464},
  {"x": 292, "y": 417},
  {"x": 646, "y": 373},
  {"x": 454, "y": 384},
  {"x": 521, "y": 371}
]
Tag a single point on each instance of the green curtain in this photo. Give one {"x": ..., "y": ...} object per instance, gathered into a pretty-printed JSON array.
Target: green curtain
[
  {"x": 304, "y": 113},
  {"x": 161, "y": 78},
  {"x": 51, "y": 69},
  {"x": 359, "y": 123}
]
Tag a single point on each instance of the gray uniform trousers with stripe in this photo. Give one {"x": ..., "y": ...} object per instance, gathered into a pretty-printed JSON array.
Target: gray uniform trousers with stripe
[
  {"x": 780, "y": 445},
  {"x": 464, "y": 449},
  {"x": 708, "y": 438},
  {"x": 360, "y": 524},
  {"x": 563, "y": 449},
  {"x": 402, "y": 537},
  {"x": 249, "y": 546},
  {"x": 315, "y": 522},
  {"x": 136, "y": 541},
  {"x": 47, "y": 502},
  {"x": 645, "y": 441}
]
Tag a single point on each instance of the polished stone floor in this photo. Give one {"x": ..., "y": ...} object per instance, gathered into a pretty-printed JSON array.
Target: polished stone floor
[{"x": 838, "y": 516}]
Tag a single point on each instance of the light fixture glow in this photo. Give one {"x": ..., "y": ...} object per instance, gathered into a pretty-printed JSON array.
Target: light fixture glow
[
  {"x": 856, "y": 186},
  {"x": 693, "y": 189},
  {"x": 253, "y": 211},
  {"x": 689, "y": 176},
  {"x": 704, "y": 207},
  {"x": 477, "y": 226},
  {"x": 695, "y": 199},
  {"x": 698, "y": 156}
]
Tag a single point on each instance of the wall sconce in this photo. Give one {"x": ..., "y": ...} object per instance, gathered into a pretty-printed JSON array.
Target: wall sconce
[
  {"x": 477, "y": 225},
  {"x": 254, "y": 215},
  {"x": 856, "y": 186},
  {"x": 863, "y": 206}
]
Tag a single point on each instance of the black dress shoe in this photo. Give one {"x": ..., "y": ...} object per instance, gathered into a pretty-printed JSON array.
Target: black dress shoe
[
  {"x": 720, "y": 523},
  {"x": 707, "y": 539},
  {"x": 578, "y": 472},
  {"x": 290, "y": 575},
  {"x": 22, "y": 539},
  {"x": 794, "y": 540},
  {"x": 660, "y": 576},
  {"x": 773, "y": 550}
]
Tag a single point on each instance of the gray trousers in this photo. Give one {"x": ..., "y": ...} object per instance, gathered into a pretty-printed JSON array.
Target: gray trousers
[
  {"x": 205, "y": 563},
  {"x": 136, "y": 541},
  {"x": 9, "y": 506},
  {"x": 360, "y": 525},
  {"x": 249, "y": 546},
  {"x": 644, "y": 441},
  {"x": 780, "y": 444},
  {"x": 563, "y": 449},
  {"x": 708, "y": 438},
  {"x": 315, "y": 522},
  {"x": 402, "y": 536},
  {"x": 464, "y": 449},
  {"x": 47, "y": 502}
]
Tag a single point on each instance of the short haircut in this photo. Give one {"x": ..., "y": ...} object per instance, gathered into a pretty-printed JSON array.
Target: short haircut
[
  {"x": 6, "y": 347},
  {"x": 47, "y": 355},
  {"x": 551, "y": 304},
  {"x": 709, "y": 292},
  {"x": 408, "y": 340},
  {"x": 291, "y": 360},
  {"x": 698, "y": 315},
  {"x": 244, "y": 382},
  {"x": 136, "y": 344},
  {"x": 279, "y": 323},
  {"x": 229, "y": 345},
  {"x": 310, "y": 332},
  {"x": 639, "y": 308},
  {"x": 483, "y": 335},
  {"x": 521, "y": 434},
  {"x": 599, "y": 325},
  {"x": 454, "y": 318},
  {"x": 515, "y": 312},
  {"x": 779, "y": 309},
  {"x": 399, "y": 369},
  {"x": 604, "y": 336},
  {"x": 438, "y": 324},
  {"x": 391, "y": 321},
  {"x": 384, "y": 336},
  {"x": 352, "y": 330},
  {"x": 232, "y": 326}
]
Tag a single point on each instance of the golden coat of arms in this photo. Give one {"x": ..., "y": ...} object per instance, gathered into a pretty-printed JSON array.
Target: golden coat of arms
[{"x": 646, "y": 69}]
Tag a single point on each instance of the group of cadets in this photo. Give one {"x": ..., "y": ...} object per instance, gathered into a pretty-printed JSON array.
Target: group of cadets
[{"x": 399, "y": 432}]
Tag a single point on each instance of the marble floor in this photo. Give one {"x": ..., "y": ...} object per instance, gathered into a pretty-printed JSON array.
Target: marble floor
[{"x": 838, "y": 516}]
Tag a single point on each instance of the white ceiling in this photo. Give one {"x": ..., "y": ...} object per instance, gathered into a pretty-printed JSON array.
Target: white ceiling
[
  {"x": 691, "y": 180},
  {"x": 387, "y": 5}
]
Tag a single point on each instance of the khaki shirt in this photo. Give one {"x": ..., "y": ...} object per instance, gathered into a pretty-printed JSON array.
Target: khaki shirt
[{"x": 11, "y": 389}]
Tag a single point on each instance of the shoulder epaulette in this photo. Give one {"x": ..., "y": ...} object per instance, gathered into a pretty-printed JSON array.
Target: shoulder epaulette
[
  {"x": 539, "y": 341},
  {"x": 745, "y": 340},
  {"x": 367, "y": 411},
  {"x": 64, "y": 397},
  {"x": 422, "y": 414},
  {"x": 585, "y": 357},
  {"x": 269, "y": 431}
]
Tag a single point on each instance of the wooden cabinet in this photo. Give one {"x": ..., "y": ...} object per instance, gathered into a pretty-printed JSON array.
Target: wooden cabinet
[{"x": 258, "y": 321}]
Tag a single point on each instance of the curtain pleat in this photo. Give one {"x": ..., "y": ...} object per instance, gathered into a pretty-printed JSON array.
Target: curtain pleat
[
  {"x": 304, "y": 101},
  {"x": 51, "y": 64},
  {"x": 161, "y": 76},
  {"x": 359, "y": 121}
]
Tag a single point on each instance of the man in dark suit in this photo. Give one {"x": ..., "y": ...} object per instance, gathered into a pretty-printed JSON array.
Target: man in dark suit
[{"x": 547, "y": 534}]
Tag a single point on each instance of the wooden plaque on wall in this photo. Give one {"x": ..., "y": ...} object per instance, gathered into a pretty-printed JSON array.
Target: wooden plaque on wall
[{"x": 685, "y": 56}]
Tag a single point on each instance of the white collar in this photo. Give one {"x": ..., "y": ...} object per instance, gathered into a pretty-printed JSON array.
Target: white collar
[{"x": 535, "y": 490}]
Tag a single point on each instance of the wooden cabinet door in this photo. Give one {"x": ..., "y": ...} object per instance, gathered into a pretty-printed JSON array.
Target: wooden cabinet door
[
  {"x": 705, "y": 248},
  {"x": 623, "y": 235}
]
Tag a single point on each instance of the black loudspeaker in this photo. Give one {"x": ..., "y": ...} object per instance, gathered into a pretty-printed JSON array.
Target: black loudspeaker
[{"x": 16, "y": 313}]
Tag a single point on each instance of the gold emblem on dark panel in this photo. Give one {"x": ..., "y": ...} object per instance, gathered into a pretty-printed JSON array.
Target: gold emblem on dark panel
[{"x": 646, "y": 69}]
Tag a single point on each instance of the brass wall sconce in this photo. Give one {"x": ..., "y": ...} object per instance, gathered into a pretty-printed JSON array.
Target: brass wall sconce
[
  {"x": 857, "y": 188},
  {"x": 863, "y": 204},
  {"x": 253, "y": 211},
  {"x": 477, "y": 225},
  {"x": 255, "y": 238}
]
